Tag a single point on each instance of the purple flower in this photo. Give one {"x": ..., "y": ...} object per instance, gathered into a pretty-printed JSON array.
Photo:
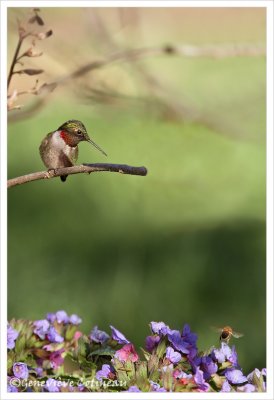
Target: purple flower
[
  {"x": 11, "y": 387},
  {"x": 155, "y": 387},
  {"x": 75, "y": 320},
  {"x": 56, "y": 359},
  {"x": 151, "y": 342},
  {"x": 225, "y": 353},
  {"x": 189, "y": 336},
  {"x": 20, "y": 370},
  {"x": 208, "y": 366},
  {"x": 182, "y": 375},
  {"x": 251, "y": 375},
  {"x": 104, "y": 372},
  {"x": 62, "y": 317},
  {"x": 12, "y": 335},
  {"x": 226, "y": 387},
  {"x": 177, "y": 341},
  {"x": 39, "y": 371},
  {"x": 200, "y": 381},
  {"x": 133, "y": 389},
  {"x": 52, "y": 385},
  {"x": 235, "y": 376},
  {"x": 172, "y": 355},
  {"x": 258, "y": 373},
  {"x": 118, "y": 336},
  {"x": 51, "y": 317},
  {"x": 167, "y": 368},
  {"x": 41, "y": 328},
  {"x": 247, "y": 388},
  {"x": 159, "y": 327},
  {"x": 98, "y": 336},
  {"x": 54, "y": 336},
  {"x": 81, "y": 387},
  {"x": 233, "y": 358}
]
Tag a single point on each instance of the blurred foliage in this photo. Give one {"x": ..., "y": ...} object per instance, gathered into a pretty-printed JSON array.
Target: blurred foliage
[{"x": 184, "y": 244}]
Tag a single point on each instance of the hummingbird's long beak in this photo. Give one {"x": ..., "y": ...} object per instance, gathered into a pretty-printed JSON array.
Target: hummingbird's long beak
[{"x": 96, "y": 145}]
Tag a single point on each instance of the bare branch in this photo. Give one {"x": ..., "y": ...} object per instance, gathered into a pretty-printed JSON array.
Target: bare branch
[
  {"x": 77, "y": 169},
  {"x": 14, "y": 60}
]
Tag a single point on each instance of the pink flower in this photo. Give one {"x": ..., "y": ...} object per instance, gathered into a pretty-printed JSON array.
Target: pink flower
[
  {"x": 127, "y": 353},
  {"x": 56, "y": 359},
  {"x": 77, "y": 335}
]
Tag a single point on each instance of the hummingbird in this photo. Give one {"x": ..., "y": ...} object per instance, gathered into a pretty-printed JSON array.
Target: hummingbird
[{"x": 59, "y": 148}]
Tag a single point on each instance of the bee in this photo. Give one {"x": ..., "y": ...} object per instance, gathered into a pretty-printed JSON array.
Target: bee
[{"x": 226, "y": 333}]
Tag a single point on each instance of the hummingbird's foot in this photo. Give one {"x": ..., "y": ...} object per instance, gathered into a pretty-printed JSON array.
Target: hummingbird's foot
[{"x": 50, "y": 173}]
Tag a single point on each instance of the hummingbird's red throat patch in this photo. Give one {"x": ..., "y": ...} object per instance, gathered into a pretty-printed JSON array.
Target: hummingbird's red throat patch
[{"x": 67, "y": 138}]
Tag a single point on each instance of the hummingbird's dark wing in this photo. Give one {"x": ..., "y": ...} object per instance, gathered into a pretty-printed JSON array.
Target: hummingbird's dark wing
[
  {"x": 68, "y": 160},
  {"x": 64, "y": 160}
]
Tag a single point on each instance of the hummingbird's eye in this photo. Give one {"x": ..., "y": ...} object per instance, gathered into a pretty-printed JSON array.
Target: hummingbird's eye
[{"x": 79, "y": 132}]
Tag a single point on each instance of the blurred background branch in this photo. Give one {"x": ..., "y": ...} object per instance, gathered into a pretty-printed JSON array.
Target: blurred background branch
[{"x": 158, "y": 95}]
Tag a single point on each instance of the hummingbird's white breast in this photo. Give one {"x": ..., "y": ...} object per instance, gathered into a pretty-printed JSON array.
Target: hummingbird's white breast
[
  {"x": 58, "y": 142},
  {"x": 55, "y": 153}
]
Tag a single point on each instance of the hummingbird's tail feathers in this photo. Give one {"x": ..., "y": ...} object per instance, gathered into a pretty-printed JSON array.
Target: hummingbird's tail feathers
[{"x": 63, "y": 178}]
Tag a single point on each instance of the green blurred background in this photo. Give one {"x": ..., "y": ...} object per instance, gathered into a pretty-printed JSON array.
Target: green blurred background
[{"x": 184, "y": 244}]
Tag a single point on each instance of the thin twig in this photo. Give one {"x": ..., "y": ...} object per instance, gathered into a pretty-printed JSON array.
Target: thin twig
[
  {"x": 77, "y": 169},
  {"x": 15, "y": 59}
]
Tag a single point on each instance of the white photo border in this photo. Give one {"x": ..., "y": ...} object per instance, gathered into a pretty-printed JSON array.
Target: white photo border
[{"x": 268, "y": 4}]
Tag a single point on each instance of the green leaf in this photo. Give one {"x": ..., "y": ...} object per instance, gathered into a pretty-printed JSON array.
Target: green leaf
[
  {"x": 153, "y": 367},
  {"x": 167, "y": 378},
  {"x": 161, "y": 348},
  {"x": 125, "y": 371},
  {"x": 225, "y": 365},
  {"x": 107, "y": 351},
  {"x": 217, "y": 382},
  {"x": 71, "y": 329},
  {"x": 258, "y": 382},
  {"x": 82, "y": 348},
  {"x": 146, "y": 354},
  {"x": 142, "y": 376},
  {"x": 141, "y": 370},
  {"x": 20, "y": 344},
  {"x": 9, "y": 363}
]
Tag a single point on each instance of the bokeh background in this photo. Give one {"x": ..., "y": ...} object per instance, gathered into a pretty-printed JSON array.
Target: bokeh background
[{"x": 186, "y": 243}]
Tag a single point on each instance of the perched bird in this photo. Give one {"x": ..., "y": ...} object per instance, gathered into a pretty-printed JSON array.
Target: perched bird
[{"x": 59, "y": 148}]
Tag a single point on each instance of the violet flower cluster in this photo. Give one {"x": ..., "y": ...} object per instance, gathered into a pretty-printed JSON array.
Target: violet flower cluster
[{"x": 53, "y": 355}]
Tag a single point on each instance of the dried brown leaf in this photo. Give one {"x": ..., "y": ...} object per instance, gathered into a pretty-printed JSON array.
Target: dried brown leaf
[
  {"x": 46, "y": 87},
  {"x": 42, "y": 35},
  {"x": 36, "y": 18},
  {"x": 39, "y": 20},
  {"x": 32, "y": 19},
  {"x": 32, "y": 53},
  {"x": 29, "y": 71}
]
